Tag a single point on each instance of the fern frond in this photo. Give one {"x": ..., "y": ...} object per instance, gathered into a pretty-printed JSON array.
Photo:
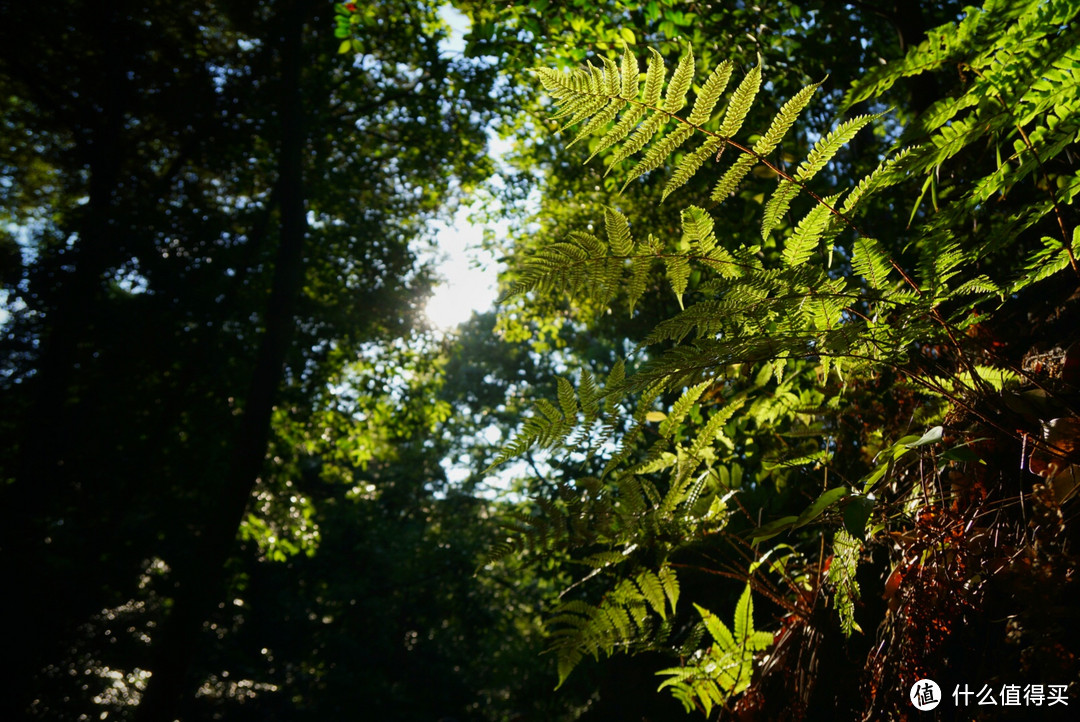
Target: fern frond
[
  {"x": 670, "y": 580},
  {"x": 642, "y": 135},
  {"x": 629, "y": 72},
  {"x": 841, "y": 574},
  {"x": 697, "y": 227},
  {"x": 827, "y": 147},
  {"x": 783, "y": 121},
  {"x": 778, "y": 205},
  {"x": 887, "y": 173},
  {"x": 678, "y": 273},
  {"x": 600, "y": 120},
  {"x": 870, "y": 261},
  {"x": 618, "y": 232},
  {"x": 681, "y": 408},
  {"x": 654, "y": 79},
  {"x": 740, "y": 103},
  {"x": 567, "y": 399},
  {"x": 713, "y": 427},
  {"x": 689, "y": 165},
  {"x": 681, "y": 79},
  {"x": 710, "y": 94},
  {"x": 622, "y": 129},
  {"x": 659, "y": 152},
  {"x": 652, "y": 589},
  {"x": 802, "y": 242},
  {"x": 732, "y": 177}
]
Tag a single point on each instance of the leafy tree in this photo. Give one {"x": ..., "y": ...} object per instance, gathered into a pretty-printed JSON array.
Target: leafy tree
[
  {"x": 211, "y": 216},
  {"x": 762, "y": 407}
]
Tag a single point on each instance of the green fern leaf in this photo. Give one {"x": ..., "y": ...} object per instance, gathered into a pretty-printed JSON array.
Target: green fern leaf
[
  {"x": 886, "y": 174},
  {"x": 652, "y": 589},
  {"x": 740, "y": 103},
  {"x": 782, "y": 123},
  {"x": 827, "y": 147},
  {"x": 641, "y": 136},
  {"x": 639, "y": 280},
  {"x": 612, "y": 80},
  {"x": 841, "y": 574},
  {"x": 710, "y": 94},
  {"x": 618, "y": 232},
  {"x": 681, "y": 407},
  {"x": 681, "y": 79},
  {"x": 600, "y": 120},
  {"x": 709, "y": 432},
  {"x": 717, "y": 630},
  {"x": 620, "y": 131},
  {"x": 698, "y": 229},
  {"x": 689, "y": 165},
  {"x": 678, "y": 272},
  {"x": 802, "y": 242},
  {"x": 870, "y": 261},
  {"x": 654, "y": 79},
  {"x": 629, "y": 73},
  {"x": 567, "y": 399},
  {"x": 744, "y": 615},
  {"x": 659, "y": 152},
  {"x": 778, "y": 205},
  {"x": 732, "y": 177}
]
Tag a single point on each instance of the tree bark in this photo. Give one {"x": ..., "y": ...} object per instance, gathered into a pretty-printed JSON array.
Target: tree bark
[{"x": 200, "y": 576}]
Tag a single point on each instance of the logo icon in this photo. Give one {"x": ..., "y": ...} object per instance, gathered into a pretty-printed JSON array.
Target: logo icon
[{"x": 925, "y": 695}]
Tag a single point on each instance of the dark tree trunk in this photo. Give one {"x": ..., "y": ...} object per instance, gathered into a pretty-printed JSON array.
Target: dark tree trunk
[
  {"x": 199, "y": 577},
  {"x": 41, "y": 489}
]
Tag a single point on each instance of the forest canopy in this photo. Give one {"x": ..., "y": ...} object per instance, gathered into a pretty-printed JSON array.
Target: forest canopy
[{"x": 776, "y": 419}]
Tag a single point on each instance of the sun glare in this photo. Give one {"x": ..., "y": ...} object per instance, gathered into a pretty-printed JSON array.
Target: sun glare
[{"x": 469, "y": 282}]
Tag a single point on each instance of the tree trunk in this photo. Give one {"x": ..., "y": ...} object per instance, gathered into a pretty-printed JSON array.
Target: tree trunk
[{"x": 200, "y": 576}]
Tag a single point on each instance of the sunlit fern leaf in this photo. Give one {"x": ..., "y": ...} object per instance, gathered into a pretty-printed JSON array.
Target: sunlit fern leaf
[
  {"x": 981, "y": 285},
  {"x": 698, "y": 229},
  {"x": 654, "y": 79},
  {"x": 652, "y": 589},
  {"x": 870, "y": 261},
  {"x": 783, "y": 121},
  {"x": 887, "y": 173},
  {"x": 827, "y": 147},
  {"x": 629, "y": 73},
  {"x": 567, "y": 398},
  {"x": 732, "y": 177},
  {"x": 626, "y": 124},
  {"x": 710, "y": 94},
  {"x": 600, "y": 120},
  {"x": 618, "y": 233},
  {"x": 642, "y": 135},
  {"x": 841, "y": 575},
  {"x": 804, "y": 240},
  {"x": 740, "y": 103},
  {"x": 613, "y": 386},
  {"x": 659, "y": 152},
  {"x": 690, "y": 163},
  {"x": 590, "y": 396},
  {"x": 681, "y": 407},
  {"x": 778, "y": 205},
  {"x": 675, "y": 98},
  {"x": 678, "y": 273},
  {"x": 713, "y": 428},
  {"x": 640, "y": 268},
  {"x": 612, "y": 78}
]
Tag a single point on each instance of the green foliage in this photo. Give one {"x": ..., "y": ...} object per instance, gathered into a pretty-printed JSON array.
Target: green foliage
[
  {"x": 723, "y": 669},
  {"x": 771, "y": 333}
]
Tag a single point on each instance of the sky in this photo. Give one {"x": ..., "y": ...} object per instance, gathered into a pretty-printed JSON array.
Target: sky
[{"x": 470, "y": 274}]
